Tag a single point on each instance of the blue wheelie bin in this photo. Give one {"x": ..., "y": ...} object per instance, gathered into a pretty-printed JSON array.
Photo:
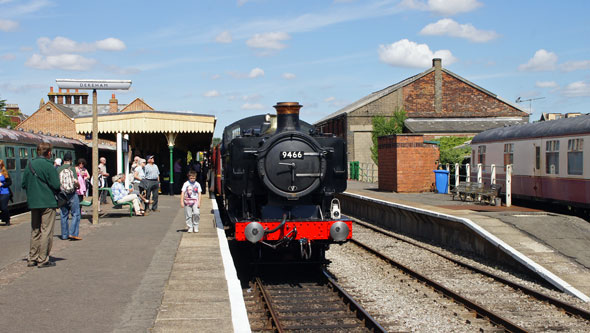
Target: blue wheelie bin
[{"x": 441, "y": 181}]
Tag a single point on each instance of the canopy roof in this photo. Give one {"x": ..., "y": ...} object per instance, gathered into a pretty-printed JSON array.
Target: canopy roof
[{"x": 148, "y": 122}]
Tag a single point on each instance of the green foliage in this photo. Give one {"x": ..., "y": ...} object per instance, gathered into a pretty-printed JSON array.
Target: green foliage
[
  {"x": 4, "y": 119},
  {"x": 450, "y": 154},
  {"x": 215, "y": 141},
  {"x": 383, "y": 126}
]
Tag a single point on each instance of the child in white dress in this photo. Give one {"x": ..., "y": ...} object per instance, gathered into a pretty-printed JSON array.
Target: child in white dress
[{"x": 190, "y": 200}]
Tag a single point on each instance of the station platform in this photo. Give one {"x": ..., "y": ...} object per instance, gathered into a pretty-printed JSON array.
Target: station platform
[
  {"x": 127, "y": 274},
  {"x": 558, "y": 243}
]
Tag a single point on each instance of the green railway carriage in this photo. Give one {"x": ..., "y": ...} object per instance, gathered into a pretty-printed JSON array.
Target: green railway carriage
[{"x": 18, "y": 147}]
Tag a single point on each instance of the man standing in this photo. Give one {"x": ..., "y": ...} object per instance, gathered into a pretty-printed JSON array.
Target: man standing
[
  {"x": 40, "y": 181},
  {"x": 69, "y": 182},
  {"x": 152, "y": 179},
  {"x": 103, "y": 175}
]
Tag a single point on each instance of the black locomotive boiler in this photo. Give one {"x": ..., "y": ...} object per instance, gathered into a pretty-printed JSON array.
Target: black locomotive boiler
[{"x": 279, "y": 181}]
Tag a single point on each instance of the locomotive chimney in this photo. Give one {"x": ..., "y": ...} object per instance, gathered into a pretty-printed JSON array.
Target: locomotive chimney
[{"x": 287, "y": 116}]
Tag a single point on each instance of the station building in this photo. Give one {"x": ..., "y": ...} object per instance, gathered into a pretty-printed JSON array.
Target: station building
[
  {"x": 125, "y": 130},
  {"x": 437, "y": 102}
]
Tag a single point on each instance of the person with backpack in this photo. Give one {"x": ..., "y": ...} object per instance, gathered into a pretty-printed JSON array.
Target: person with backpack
[
  {"x": 69, "y": 183},
  {"x": 40, "y": 181}
]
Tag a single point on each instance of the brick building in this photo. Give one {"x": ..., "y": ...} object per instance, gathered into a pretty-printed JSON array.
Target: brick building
[
  {"x": 406, "y": 163},
  {"x": 437, "y": 102}
]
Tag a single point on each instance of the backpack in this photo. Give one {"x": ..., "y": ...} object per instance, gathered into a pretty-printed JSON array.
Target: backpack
[{"x": 67, "y": 180}]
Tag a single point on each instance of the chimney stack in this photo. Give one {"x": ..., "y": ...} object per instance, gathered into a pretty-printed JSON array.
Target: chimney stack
[
  {"x": 437, "y": 64},
  {"x": 113, "y": 104},
  {"x": 287, "y": 116}
]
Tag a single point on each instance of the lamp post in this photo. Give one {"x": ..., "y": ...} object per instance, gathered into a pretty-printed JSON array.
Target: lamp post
[{"x": 94, "y": 85}]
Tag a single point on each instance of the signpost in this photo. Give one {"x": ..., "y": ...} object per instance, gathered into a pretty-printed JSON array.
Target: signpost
[{"x": 94, "y": 85}]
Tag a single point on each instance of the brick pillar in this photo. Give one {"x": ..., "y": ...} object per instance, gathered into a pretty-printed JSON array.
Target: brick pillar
[
  {"x": 113, "y": 104},
  {"x": 436, "y": 63}
]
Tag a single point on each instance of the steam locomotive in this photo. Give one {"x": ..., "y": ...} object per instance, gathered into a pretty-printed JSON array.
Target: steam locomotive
[{"x": 277, "y": 177}]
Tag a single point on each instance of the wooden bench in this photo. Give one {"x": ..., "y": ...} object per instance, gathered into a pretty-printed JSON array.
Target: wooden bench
[
  {"x": 118, "y": 204},
  {"x": 477, "y": 191}
]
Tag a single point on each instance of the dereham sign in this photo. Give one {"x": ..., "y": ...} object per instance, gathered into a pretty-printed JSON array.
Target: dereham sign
[{"x": 93, "y": 84}]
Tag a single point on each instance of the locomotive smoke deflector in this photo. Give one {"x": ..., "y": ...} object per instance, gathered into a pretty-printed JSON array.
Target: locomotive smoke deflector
[{"x": 287, "y": 116}]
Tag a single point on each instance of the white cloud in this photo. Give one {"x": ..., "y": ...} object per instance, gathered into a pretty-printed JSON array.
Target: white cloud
[
  {"x": 451, "y": 28},
  {"x": 215, "y": 77},
  {"x": 8, "y": 25},
  {"x": 110, "y": 44},
  {"x": 288, "y": 76},
  {"x": 8, "y": 57},
  {"x": 256, "y": 72},
  {"x": 330, "y": 99},
  {"x": 571, "y": 66},
  {"x": 452, "y": 7},
  {"x": 541, "y": 61},
  {"x": 63, "y": 45},
  {"x": 211, "y": 93},
  {"x": 23, "y": 88},
  {"x": 269, "y": 40},
  {"x": 405, "y": 53},
  {"x": 252, "y": 106},
  {"x": 577, "y": 89},
  {"x": 546, "y": 84},
  {"x": 442, "y": 7},
  {"x": 71, "y": 62},
  {"x": 224, "y": 37}
]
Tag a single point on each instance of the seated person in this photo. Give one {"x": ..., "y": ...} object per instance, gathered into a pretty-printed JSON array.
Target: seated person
[{"x": 121, "y": 194}]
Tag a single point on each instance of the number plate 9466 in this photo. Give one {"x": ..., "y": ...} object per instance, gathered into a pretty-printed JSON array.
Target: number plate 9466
[{"x": 287, "y": 155}]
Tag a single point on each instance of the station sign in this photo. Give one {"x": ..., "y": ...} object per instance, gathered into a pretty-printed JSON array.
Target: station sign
[{"x": 93, "y": 84}]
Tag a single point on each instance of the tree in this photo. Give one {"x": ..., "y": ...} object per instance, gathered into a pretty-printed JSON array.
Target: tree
[
  {"x": 4, "y": 118},
  {"x": 449, "y": 153},
  {"x": 383, "y": 126}
]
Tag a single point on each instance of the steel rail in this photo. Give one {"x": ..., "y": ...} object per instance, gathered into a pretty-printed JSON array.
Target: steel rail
[
  {"x": 485, "y": 313},
  {"x": 568, "y": 308},
  {"x": 268, "y": 303},
  {"x": 361, "y": 314}
]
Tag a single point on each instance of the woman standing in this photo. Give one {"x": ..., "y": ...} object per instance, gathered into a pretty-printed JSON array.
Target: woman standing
[
  {"x": 83, "y": 178},
  {"x": 5, "y": 183}
]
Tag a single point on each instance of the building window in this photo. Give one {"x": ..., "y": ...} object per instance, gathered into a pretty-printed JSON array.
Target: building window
[
  {"x": 481, "y": 155},
  {"x": 508, "y": 154},
  {"x": 575, "y": 161},
  {"x": 552, "y": 157}
]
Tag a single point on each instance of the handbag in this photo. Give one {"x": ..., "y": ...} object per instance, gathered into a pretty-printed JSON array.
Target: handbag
[{"x": 60, "y": 196}]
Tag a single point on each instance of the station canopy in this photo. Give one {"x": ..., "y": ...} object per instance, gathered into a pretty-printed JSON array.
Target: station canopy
[{"x": 183, "y": 130}]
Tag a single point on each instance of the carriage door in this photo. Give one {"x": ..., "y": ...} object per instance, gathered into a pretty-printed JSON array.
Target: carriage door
[{"x": 537, "y": 183}]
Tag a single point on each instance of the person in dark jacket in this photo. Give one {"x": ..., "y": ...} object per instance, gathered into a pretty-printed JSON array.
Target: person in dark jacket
[
  {"x": 40, "y": 181},
  {"x": 5, "y": 182}
]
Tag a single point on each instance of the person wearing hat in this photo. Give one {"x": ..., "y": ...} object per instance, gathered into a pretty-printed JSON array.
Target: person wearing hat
[
  {"x": 152, "y": 180},
  {"x": 121, "y": 194},
  {"x": 69, "y": 183},
  {"x": 57, "y": 163}
]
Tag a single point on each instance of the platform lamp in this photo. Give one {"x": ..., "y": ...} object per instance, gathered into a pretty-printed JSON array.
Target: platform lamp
[{"x": 94, "y": 85}]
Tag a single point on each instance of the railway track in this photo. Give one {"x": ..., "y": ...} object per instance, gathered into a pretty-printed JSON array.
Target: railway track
[
  {"x": 506, "y": 304},
  {"x": 312, "y": 306}
]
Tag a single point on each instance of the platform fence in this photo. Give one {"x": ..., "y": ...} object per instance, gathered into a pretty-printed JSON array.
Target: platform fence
[{"x": 482, "y": 174}]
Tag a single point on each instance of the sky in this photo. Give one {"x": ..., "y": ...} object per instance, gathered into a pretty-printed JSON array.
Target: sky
[{"x": 238, "y": 58}]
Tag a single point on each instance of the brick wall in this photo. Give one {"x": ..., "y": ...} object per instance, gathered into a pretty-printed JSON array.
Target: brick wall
[
  {"x": 49, "y": 119},
  {"x": 459, "y": 99},
  {"x": 406, "y": 163}
]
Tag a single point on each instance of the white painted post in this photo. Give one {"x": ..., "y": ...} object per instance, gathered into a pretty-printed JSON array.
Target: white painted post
[
  {"x": 493, "y": 181},
  {"x": 468, "y": 173},
  {"x": 456, "y": 174},
  {"x": 508, "y": 185},
  {"x": 479, "y": 173},
  {"x": 448, "y": 178},
  {"x": 119, "y": 153}
]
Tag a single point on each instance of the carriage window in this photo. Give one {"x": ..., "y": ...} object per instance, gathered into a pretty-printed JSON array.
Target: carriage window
[
  {"x": 481, "y": 154},
  {"x": 537, "y": 158},
  {"x": 508, "y": 154},
  {"x": 575, "y": 161},
  {"x": 61, "y": 154},
  {"x": 23, "y": 153},
  {"x": 10, "y": 160},
  {"x": 552, "y": 157},
  {"x": 33, "y": 152}
]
